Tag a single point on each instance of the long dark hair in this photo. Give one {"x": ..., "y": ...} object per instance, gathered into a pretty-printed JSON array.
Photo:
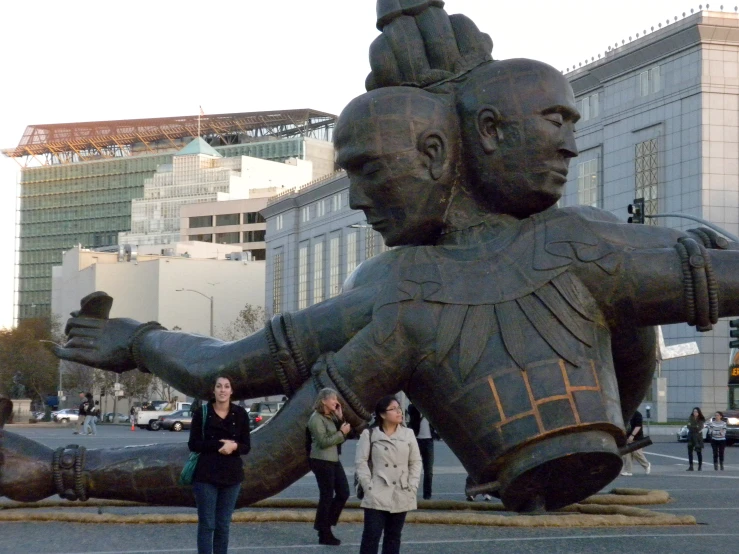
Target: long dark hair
[
  {"x": 701, "y": 417},
  {"x": 381, "y": 408}
]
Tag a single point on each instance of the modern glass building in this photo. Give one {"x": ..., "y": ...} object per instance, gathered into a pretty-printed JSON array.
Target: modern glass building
[{"x": 79, "y": 179}]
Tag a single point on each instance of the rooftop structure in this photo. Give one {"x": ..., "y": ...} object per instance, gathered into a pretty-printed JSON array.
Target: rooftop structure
[{"x": 75, "y": 142}]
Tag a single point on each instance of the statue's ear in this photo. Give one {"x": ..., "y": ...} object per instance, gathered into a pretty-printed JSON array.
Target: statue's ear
[
  {"x": 433, "y": 144},
  {"x": 489, "y": 128}
]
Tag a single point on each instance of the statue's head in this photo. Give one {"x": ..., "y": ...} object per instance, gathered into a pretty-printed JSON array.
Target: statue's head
[
  {"x": 517, "y": 119},
  {"x": 400, "y": 149}
]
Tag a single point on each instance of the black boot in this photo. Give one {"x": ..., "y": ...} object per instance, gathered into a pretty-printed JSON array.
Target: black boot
[
  {"x": 690, "y": 468},
  {"x": 722, "y": 466},
  {"x": 715, "y": 466},
  {"x": 700, "y": 466},
  {"x": 327, "y": 537}
]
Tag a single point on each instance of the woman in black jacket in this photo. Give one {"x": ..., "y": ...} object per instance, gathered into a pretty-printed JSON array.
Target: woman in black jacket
[{"x": 221, "y": 440}]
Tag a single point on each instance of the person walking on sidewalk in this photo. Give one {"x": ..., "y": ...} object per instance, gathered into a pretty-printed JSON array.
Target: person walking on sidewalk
[
  {"x": 696, "y": 423},
  {"x": 717, "y": 430},
  {"x": 82, "y": 415},
  {"x": 636, "y": 426},
  {"x": 328, "y": 430},
  {"x": 425, "y": 437},
  {"x": 89, "y": 427}
]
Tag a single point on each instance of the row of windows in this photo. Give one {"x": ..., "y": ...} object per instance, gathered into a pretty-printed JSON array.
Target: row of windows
[
  {"x": 74, "y": 226},
  {"x": 226, "y": 219},
  {"x": 646, "y": 173},
  {"x": 649, "y": 82},
  {"x": 322, "y": 207},
  {"x": 317, "y": 260},
  {"x": 72, "y": 172},
  {"x": 231, "y": 238}
]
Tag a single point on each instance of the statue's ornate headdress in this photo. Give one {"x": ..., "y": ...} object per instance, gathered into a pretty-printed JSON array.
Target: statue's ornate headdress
[{"x": 422, "y": 46}]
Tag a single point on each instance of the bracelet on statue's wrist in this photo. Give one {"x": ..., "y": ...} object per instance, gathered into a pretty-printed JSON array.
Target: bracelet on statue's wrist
[{"x": 138, "y": 335}]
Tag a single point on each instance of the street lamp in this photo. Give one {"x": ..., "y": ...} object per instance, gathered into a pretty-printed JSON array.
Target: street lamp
[{"x": 205, "y": 296}]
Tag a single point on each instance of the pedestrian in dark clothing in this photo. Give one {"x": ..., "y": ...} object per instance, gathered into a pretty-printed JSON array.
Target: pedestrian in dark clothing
[
  {"x": 84, "y": 403},
  {"x": 425, "y": 438},
  {"x": 6, "y": 411},
  {"x": 222, "y": 438},
  {"x": 696, "y": 423},
  {"x": 636, "y": 432},
  {"x": 717, "y": 430},
  {"x": 327, "y": 431}
]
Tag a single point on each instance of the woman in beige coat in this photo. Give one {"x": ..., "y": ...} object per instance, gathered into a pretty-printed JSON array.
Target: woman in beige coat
[{"x": 391, "y": 483}]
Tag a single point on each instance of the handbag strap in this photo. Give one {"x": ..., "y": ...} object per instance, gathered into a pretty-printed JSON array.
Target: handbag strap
[{"x": 205, "y": 414}]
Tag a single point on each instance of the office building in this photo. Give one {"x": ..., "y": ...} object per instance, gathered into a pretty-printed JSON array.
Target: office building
[
  {"x": 660, "y": 121},
  {"x": 78, "y": 179}
]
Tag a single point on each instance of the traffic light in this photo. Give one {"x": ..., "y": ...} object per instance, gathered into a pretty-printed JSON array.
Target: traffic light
[
  {"x": 637, "y": 211},
  {"x": 734, "y": 333}
]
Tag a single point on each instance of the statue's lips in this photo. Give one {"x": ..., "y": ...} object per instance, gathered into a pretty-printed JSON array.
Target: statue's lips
[
  {"x": 559, "y": 175},
  {"x": 379, "y": 224}
]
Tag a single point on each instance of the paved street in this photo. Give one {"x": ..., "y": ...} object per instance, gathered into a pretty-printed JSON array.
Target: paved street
[{"x": 712, "y": 497}]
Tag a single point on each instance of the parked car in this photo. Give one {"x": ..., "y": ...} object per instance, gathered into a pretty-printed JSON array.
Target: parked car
[
  {"x": 261, "y": 412},
  {"x": 176, "y": 421},
  {"x": 66, "y": 415},
  {"x": 732, "y": 426},
  {"x": 119, "y": 418}
]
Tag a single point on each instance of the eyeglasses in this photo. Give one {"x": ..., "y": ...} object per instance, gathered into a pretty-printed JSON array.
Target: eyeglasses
[{"x": 396, "y": 409}]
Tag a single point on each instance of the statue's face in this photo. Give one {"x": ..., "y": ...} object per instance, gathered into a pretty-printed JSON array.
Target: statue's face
[
  {"x": 399, "y": 178},
  {"x": 521, "y": 142}
]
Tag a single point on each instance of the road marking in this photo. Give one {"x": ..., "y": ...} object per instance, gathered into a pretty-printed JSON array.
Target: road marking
[{"x": 314, "y": 546}]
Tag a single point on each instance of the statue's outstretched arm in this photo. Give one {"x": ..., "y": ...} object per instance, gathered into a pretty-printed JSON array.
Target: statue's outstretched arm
[{"x": 274, "y": 360}]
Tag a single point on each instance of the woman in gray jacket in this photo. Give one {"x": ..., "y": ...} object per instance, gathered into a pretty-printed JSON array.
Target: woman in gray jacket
[
  {"x": 327, "y": 431},
  {"x": 388, "y": 466}
]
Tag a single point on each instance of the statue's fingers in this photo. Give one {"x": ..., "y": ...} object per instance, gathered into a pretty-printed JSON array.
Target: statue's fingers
[
  {"x": 83, "y": 333},
  {"x": 84, "y": 343},
  {"x": 439, "y": 39},
  {"x": 79, "y": 355},
  {"x": 83, "y": 322},
  {"x": 406, "y": 42},
  {"x": 474, "y": 46},
  {"x": 385, "y": 70}
]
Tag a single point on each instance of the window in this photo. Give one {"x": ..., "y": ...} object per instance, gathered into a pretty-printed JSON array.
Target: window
[
  {"x": 278, "y": 222},
  {"x": 336, "y": 202},
  {"x": 334, "y": 286},
  {"x": 303, "y": 277},
  {"x": 369, "y": 243},
  {"x": 254, "y": 236},
  {"x": 320, "y": 208},
  {"x": 202, "y": 238},
  {"x": 305, "y": 214},
  {"x": 646, "y": 177},
  {"x": 201, "y": 221},
  {"x": 318, "y": 272},
  {"x": 589, "y": 107},
  {"x": 254, "y": 217},
  {"x": 228, "y": 238},
  {"x": 587, "y": 183},
  {"x": 227, "y": 219},
  {"x": 277, "y": 284},
  {"x": 650, "y": 81},
  {"x": 351, "y": 252}
]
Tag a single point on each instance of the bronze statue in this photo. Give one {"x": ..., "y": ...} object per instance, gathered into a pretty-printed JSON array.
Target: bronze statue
[{"x": 522, "y": 331}]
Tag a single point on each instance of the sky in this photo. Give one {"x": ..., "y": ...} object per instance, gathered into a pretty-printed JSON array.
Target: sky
[{"x": 79, "y": 60}]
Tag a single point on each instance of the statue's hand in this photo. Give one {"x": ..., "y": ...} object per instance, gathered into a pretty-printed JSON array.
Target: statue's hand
[
  {"x": 709, "y": 238},
  {"x": 25, "y": 468},
  {"x": 101, "y": 343}
]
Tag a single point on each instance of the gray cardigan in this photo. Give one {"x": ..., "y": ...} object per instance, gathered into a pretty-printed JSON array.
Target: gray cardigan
[{"x": 325, "y": 438}]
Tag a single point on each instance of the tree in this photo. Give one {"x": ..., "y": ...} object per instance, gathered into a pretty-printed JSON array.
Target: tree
[
  {"x": 250, "y": 319},
  {"x": 27, "y": 365}
]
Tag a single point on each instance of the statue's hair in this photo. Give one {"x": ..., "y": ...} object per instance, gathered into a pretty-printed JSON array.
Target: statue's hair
[{"x": 323, "y": 394}]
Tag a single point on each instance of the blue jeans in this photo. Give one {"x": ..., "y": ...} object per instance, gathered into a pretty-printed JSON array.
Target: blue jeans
[
  {"x": 215, "y": 508},
  {"x": 377, "y": 521}
]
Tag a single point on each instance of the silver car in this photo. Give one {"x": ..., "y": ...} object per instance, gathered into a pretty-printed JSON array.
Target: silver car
[{"x": 66, "y": 415}]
